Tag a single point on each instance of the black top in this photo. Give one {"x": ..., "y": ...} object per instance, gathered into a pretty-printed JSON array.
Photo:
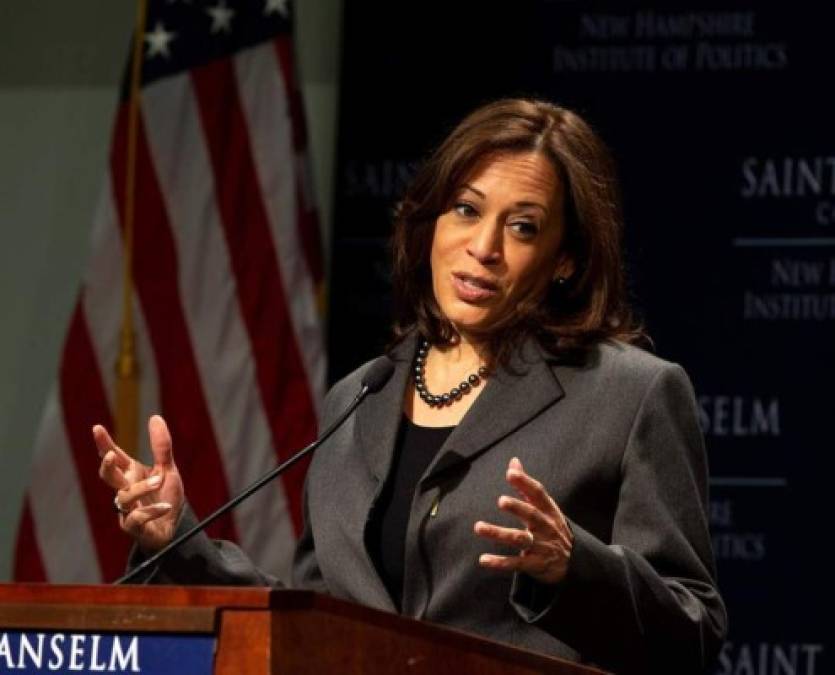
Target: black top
[{"x": 386, "y": 536}]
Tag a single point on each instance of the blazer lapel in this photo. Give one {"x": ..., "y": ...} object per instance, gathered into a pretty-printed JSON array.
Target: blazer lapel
[
  {"x": 378, "y": 418},
  {"x": 511, "y": 397},
  {"x": 377, "y": 422}
]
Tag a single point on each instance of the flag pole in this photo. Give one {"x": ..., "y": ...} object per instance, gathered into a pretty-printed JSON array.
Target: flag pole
[{"x": 127, "y": 364}]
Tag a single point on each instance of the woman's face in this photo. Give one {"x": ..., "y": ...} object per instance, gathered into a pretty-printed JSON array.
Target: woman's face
[{"x": 499, "y": 241}]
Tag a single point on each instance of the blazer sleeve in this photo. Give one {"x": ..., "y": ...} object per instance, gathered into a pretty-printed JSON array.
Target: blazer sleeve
[
  {"x": 209, "y": 562},
  {"x": 646, "y": 601},
  {"x": 202, "y": 561}
]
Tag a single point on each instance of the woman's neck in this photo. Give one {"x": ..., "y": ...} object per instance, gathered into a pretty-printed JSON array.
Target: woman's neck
[
  {"x": 448, "y": 365},
  {"x": 460, "y": 353}
]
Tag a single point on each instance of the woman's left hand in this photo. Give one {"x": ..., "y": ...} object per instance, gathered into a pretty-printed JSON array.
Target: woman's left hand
[{"x": 546, "y": 541}]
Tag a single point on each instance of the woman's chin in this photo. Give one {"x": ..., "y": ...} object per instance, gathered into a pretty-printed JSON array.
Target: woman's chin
[{"x": 472, "y": 328}]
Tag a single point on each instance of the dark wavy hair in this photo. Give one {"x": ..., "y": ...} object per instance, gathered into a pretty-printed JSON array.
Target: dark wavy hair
[{"x": 592, "y": 305}]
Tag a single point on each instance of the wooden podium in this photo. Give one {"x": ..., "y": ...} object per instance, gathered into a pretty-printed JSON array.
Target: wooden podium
[{"x": 258, "y": 630}]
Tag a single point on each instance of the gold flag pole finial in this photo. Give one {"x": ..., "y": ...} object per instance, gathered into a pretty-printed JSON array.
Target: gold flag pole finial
[{"x": 127, "y": 365}]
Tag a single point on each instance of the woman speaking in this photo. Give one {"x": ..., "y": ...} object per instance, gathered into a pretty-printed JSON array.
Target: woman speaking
[{"x": 527, "y": 473}]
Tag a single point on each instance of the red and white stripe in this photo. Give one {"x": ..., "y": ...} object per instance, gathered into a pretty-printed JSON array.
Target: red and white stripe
[{"x": 228, "y": 332}]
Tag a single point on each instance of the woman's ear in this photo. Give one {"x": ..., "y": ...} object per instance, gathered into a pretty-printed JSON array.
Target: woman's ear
[{"x": 564, "y": 270}]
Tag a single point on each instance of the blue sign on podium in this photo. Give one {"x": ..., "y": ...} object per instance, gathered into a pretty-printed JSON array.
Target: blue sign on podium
[{"x": 87, "y": 652}]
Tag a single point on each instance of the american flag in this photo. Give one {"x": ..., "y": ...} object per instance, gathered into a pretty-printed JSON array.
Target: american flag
[{"x": 227, "y": 271}]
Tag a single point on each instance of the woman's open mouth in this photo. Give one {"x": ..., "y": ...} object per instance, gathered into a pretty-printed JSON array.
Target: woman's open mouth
[{"x": 471, "y": 288}]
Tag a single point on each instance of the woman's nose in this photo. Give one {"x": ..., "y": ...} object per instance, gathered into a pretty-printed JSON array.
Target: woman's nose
[{"x": 485, "y": 244}]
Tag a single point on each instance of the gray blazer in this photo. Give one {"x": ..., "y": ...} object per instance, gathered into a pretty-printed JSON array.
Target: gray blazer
[{"x": 616, "y": 442}]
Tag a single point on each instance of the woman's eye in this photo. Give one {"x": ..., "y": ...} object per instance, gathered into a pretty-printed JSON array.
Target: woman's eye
[
  {"x": 464, "y": 209},
  {"x": 524, "y": 228}
]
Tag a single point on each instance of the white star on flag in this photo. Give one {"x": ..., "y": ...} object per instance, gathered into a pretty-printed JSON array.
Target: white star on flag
[
  {"x": 221, "y": 17},
  {"x": 158, "y": 41},
  {"x": 275, "y": 7}
]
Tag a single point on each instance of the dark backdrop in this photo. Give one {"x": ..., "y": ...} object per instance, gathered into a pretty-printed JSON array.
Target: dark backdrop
[{"x": 720, "y": 118}]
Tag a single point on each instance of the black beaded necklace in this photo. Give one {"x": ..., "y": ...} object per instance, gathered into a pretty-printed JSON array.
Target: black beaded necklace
[{"x": 454, "y": 394}]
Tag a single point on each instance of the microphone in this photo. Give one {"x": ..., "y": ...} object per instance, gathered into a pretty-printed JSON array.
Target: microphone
[{"x": 374, "y": 379}]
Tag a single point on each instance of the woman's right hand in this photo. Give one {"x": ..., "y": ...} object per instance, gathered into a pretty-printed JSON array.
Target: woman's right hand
[{"x": 149, "y": 499}]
